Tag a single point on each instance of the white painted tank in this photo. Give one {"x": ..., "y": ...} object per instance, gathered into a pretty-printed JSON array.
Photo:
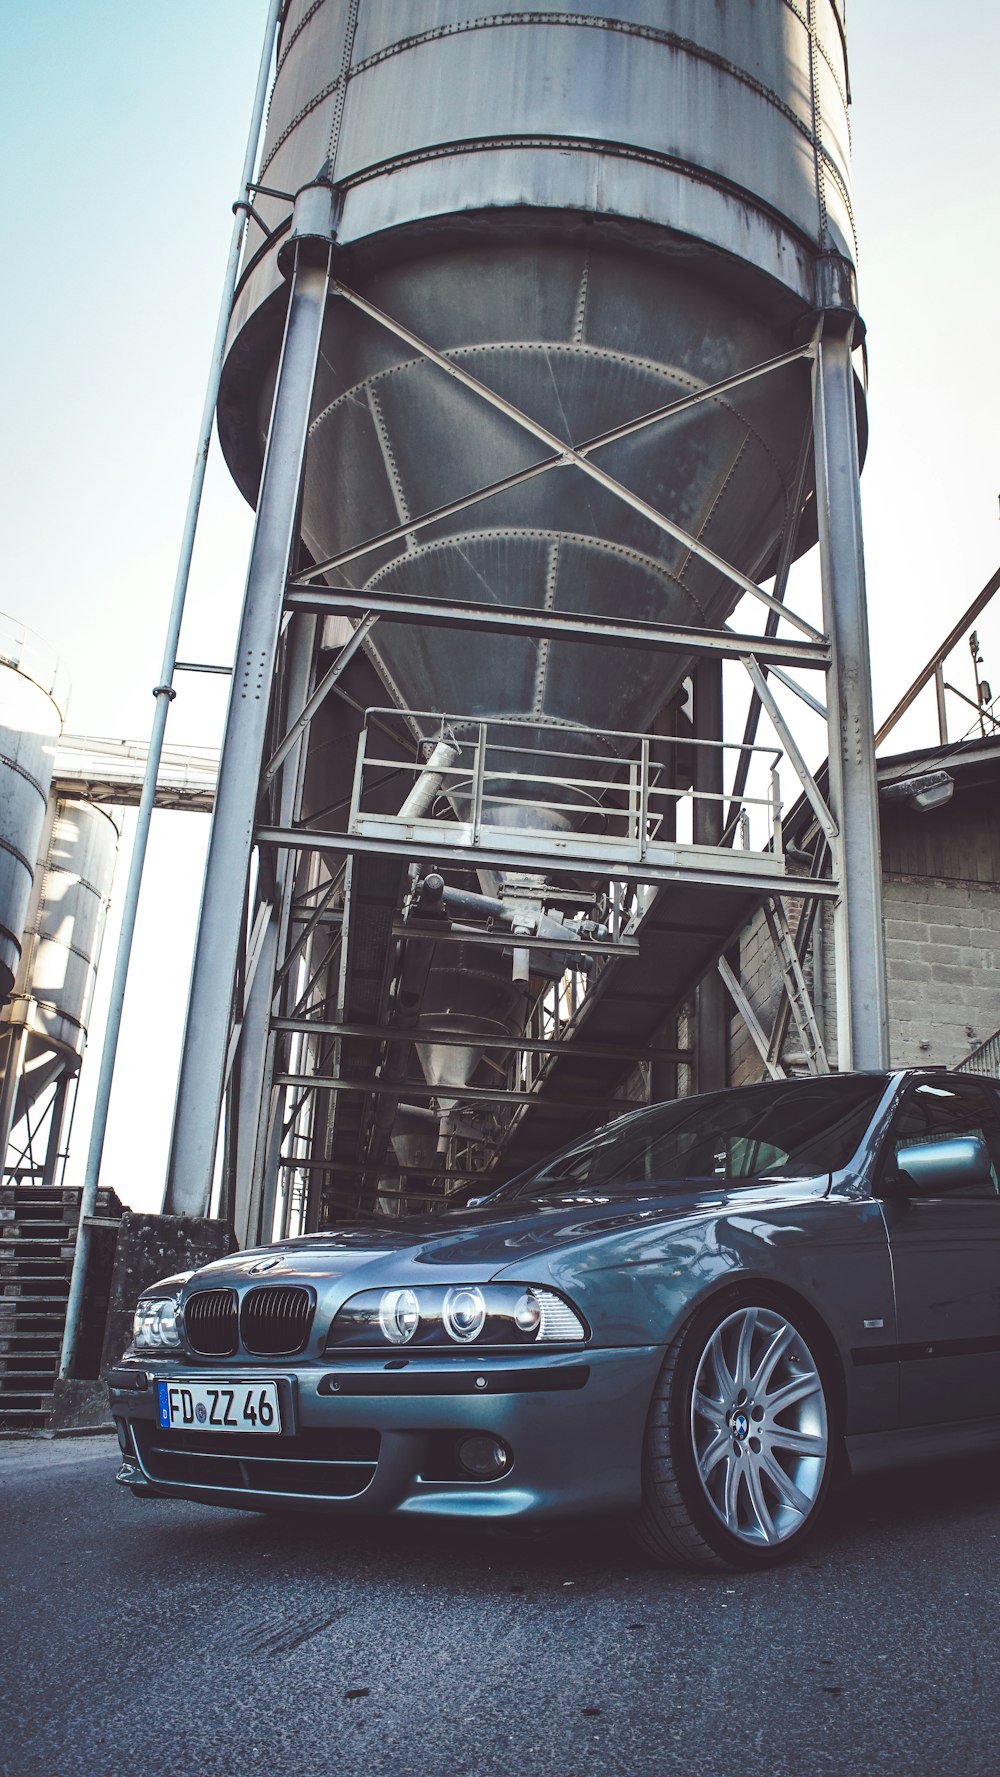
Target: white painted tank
[{"x": 34, "y": 688}]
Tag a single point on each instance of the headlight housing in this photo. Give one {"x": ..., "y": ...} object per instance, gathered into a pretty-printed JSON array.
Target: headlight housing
[
  {"x": 456, "y": 1317},
  {"x": 156, "y": 1323}
]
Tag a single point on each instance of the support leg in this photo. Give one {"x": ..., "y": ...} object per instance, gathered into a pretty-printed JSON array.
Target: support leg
[
  {"x": 200, "y": 1086},
  {"x": 862, "y": 1015},
  {"x": 711, "y": 1046}
]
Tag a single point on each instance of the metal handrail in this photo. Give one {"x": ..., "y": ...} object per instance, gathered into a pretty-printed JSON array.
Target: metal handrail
[
  {"x": 984, "y": 1060},
  {"x": 29, "y": 653},
  {"x": 622, "y": 783}
]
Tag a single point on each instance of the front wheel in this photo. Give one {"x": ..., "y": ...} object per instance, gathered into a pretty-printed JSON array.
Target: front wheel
[{"x": 738, "y": 1455}]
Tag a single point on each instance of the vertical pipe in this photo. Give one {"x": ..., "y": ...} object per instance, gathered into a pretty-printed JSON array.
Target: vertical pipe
[
  {"x": 164, "y": 695},
  {"x": 220, "y": 928},
  {"x": 942, "y": 709},
  {"x": 711, "y": 1046},
  {"x": 862, "y": 1014}
]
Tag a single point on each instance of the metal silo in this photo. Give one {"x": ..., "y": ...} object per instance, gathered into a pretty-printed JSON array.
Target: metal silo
[
  {"x": 45, "y": 1019},
  {"x": 569, "y": 287},
  {"x": 33, "y": 691},
  {"x": 595, "y": 211}
]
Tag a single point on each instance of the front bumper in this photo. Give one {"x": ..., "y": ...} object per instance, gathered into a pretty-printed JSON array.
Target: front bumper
[{"x": 367, "y": 1437}]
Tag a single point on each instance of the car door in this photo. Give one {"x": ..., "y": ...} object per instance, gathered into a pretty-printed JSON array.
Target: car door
[{"x": 946, "y": 1260}]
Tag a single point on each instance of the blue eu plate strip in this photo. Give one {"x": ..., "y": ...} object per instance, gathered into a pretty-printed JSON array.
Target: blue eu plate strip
[{"x": 161, "y": 1389}]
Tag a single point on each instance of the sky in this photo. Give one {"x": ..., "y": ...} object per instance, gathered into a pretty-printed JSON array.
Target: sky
[{"x": 122, "y": 133}]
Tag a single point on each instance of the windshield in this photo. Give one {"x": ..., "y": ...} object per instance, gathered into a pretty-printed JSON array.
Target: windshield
[{"x": 784, "y": 1129}]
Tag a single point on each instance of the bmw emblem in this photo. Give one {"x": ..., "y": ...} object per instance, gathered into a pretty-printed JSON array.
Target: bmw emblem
[
  {"x": 260, "y": 1265},
  {"x": 201, "y": 1413},
  {"x": 740, "y": 1425}
]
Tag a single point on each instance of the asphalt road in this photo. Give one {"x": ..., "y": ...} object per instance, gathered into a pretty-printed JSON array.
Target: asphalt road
[{"x": 169, "y": 1640}]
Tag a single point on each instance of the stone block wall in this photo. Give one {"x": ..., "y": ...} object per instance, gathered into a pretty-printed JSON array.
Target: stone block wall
[
  {"x": 942, "y": 942},
  {"x": 942, "y": 938}
]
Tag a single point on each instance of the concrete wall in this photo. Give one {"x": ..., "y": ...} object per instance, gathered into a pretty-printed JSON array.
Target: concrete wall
[
  {"x": 942, "y": 933},
  {"x": 942, "y": 941}
]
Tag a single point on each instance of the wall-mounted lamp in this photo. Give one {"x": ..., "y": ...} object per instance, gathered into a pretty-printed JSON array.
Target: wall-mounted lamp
[{"x": 925, "y": 793}]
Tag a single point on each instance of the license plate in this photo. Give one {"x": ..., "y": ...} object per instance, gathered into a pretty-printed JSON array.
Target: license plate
[{"x": 219, "y": 1406}]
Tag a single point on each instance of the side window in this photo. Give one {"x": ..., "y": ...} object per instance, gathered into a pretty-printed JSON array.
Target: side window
[{"x": 934, "y": 1112}]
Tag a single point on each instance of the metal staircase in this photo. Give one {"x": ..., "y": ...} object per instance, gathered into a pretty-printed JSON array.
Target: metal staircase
[{"x": 38, "y": 1229}]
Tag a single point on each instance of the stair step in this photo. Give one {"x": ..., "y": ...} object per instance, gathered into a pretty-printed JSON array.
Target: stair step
[
  {"x": 16, "y": 1399},
  {"x": 26, "y": 1382},
  {"x": 41, "y": 1237},
  {"x": 24, "y": 1419},
  {"x": 20, "y": 1314},
  {"x": 52, "y": 1267},
  {"x": 36, "y": 1289}
]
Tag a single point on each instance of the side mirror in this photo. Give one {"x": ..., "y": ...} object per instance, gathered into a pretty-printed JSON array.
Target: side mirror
[{"x": 931, "y": 1167}]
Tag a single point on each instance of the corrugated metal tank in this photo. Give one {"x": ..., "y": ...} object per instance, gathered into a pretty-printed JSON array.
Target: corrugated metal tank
[
  {"x": 595, "y": 210},
  {"x": 33, "y": 693},
  {"x": 48, "y": 1012},
  {"x": 65, "y": 928}
]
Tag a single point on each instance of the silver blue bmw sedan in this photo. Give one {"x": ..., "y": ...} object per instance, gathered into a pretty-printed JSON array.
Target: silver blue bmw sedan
[{"x": 696, "y": 1316}]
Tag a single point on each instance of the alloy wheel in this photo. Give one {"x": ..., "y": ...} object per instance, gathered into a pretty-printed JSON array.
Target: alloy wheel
[{"x": 759, "y": 1427}]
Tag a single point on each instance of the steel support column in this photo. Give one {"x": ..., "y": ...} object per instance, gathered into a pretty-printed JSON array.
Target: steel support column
[
  {"x": 712, "y": 1018},
  {"x": 200, "y": 1085},
  {"x": 862, "y": 1015}
]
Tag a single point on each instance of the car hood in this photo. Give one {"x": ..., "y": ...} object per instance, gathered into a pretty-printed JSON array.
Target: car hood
[{"x": 478, "y": 1244}]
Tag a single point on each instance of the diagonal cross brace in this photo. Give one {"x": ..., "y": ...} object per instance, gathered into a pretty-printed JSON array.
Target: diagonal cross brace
[
  {"x": 563, "y": 452},
  {"x": 627, "y": 429},
  {"x": 795, "y": 987}
]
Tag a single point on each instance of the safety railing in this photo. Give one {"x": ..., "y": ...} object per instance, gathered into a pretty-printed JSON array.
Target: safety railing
[
  {"x": 31, "y": 655},
  {"x": 555, "y": 792},
  {"x": 984, "y": 1060}
]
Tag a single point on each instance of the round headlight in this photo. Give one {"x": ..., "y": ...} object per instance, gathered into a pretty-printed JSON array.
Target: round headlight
[
  {"x": 156, "y": 1322},
  {"x": 464, "y": 1314},
  {"x": 528, "y": 1313},
  {"x": 399, "y": 1315}
]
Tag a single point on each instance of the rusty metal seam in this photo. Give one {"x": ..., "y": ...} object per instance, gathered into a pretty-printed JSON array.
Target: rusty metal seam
[
  {"x": 623, "y": 358},
  {"x": 41, "y": 937},
  {"x": 403, "y": 513},
  {"x": 549, "y": 604},
  {"x": 699, "y": 175},
  {"x": 605, "y": 353},
  {"x": 333, "y": 142},
  {"x": 710, "y": 514},
  {"x": 580, "y": 318},
  {"x": 7, "y": 846},
  {"x": 92, "y": 888},
  {"x": 16, "y": 766},
  {"x": 583, "y": 21},
  {"x": 818, "y": 170},
  {"x": 619, "y": 27},
  {"x": 532, "y": 533},
  {"x": 309, "y": 13},
  {"x": 821, "y": 47}
]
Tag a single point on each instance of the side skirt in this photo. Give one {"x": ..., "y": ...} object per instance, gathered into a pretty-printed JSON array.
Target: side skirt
[{"x": 869, "y": 1452}]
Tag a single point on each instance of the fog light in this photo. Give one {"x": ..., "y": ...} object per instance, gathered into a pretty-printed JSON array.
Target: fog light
[{"x": 483, "y": 1457}]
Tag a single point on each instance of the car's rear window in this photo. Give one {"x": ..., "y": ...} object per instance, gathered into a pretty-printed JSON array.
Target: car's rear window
[{"x": 788, "y": 1128}]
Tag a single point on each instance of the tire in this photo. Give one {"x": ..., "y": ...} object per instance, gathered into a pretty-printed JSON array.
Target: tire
[{"x": 739, "y": 1447}]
